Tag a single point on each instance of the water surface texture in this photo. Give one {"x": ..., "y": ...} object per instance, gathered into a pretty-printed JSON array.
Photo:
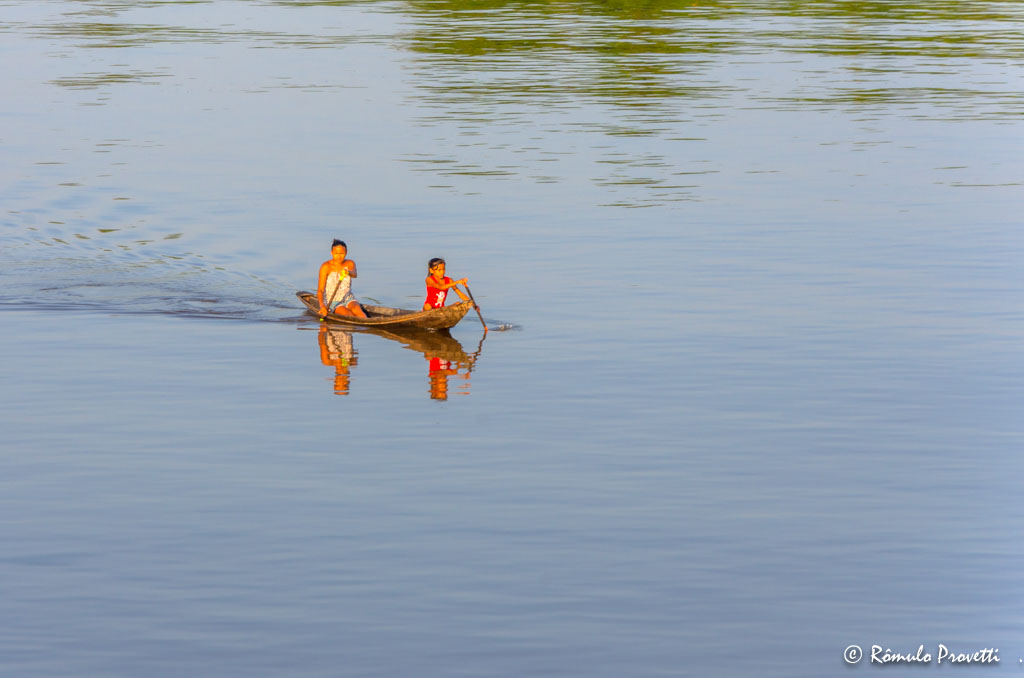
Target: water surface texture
[{"x": 752, "y": 393}]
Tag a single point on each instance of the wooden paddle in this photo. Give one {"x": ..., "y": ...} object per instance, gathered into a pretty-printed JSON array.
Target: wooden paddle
[
  {"x": 333, "y": 294},
  {"x": 476, "y": 307}
]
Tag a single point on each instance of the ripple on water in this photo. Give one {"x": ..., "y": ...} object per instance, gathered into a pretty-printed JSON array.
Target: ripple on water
[{"x": 108, "y": 272}]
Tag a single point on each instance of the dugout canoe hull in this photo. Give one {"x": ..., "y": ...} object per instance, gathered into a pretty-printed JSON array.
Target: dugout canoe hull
[{"x": 396, "y": 318}]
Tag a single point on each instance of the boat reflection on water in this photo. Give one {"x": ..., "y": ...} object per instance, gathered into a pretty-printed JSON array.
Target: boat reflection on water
[{"x": 446, "y": 359}]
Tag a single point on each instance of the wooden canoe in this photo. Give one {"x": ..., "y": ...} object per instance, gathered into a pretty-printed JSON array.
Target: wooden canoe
[{"x": 383, "y": 316}]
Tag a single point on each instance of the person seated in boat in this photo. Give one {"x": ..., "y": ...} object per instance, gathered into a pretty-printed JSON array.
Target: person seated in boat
[
  {"x": 438, "y": 285},
  {"x": 334, "y": 286}
]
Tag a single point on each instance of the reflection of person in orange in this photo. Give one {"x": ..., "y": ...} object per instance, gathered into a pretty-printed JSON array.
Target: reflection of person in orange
[
  {"x": 440, "y": 370},
  {"x": 336, "y": 350}
]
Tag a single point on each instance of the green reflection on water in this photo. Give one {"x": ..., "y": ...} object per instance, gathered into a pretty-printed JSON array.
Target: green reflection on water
[
  {"x": 654, "y": 69},
  {"x": 624, "y": 71},
  {"x": 672, "y": 27},
  {"x": 988, "y": 10},
  {"x": 95, "y": 80},
  {"x": 115, "y": 35}
]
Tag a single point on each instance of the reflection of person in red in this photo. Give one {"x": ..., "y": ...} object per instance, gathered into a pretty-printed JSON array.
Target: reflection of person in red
[
  {"x": 336, "y": 350},
  {"x": 440, "y": 370}
]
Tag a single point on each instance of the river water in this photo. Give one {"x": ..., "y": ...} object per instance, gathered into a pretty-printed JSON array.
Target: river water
[{"x": 752, "y": 392}]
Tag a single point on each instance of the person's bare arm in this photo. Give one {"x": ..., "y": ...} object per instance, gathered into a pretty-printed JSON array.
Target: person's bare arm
[{"x": 321, "y": 286}]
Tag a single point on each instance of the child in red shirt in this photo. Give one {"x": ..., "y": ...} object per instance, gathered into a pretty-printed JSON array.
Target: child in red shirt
[{"x": 438, "y": 285}]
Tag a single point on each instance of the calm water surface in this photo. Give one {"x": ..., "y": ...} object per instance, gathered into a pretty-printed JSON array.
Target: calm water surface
[{"x": 753, "y": 394}]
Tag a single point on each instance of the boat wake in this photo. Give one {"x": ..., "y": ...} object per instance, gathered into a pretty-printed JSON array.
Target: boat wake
[
  {"x": 63, "y": 274},
  {"x": 65, "y": 278}
]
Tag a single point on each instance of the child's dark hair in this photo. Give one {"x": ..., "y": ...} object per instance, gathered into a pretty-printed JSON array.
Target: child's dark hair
[
  {"x": 338, "y": 242},
  {"x": 434, "y": 262}
]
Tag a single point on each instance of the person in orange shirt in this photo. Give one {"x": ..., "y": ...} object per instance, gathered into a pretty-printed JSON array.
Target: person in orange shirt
[{"x": 438, "y": 285}]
